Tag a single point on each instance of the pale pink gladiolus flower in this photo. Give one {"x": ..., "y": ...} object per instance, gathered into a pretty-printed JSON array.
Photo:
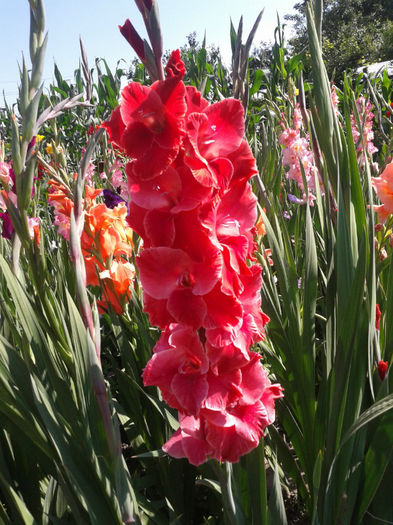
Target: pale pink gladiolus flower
[
  {"x": 363, "y": 141},
  {"x": 297, "y": 154}
]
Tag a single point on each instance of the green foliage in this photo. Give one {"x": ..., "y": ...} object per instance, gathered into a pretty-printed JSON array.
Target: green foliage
[
  {"x": 322, "y": 340},
  {"x": 80, "y": 438},
  {"x": 48, "y": 401},
  {"x": 355, "y": 32}
]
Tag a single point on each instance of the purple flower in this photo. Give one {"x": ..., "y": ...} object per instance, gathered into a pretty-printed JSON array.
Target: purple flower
[
  {"x": 8, "y": 228},
  {"x": 295, "y": 199},
  {"x": 111, "y": 199}
]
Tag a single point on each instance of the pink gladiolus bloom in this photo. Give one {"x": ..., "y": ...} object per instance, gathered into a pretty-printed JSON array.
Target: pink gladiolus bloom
[
  {"x": 148, "y": 125},
  {"x": 171, "y": 274},
  {"x": 165, "y": 270},
  {"x": 213, "y": 134},
  {"x": 191, "y": 202},
  {"x": 297, "y": 155},
  {"x": 179, "y": 367},
  {"x": 239, "y": 433},
  {"x": 228, "y": 433},
  {"x": 34, "y": 228},
  {"x": 6, "y": 175},
  {"x": 364, "y": 137},
  {"x": 189, "y": 441}
]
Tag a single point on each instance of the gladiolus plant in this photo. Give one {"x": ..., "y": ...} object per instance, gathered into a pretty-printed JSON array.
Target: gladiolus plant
[
  {"x": 191, "y": 202},
  {"x": 180, "y": 341}
]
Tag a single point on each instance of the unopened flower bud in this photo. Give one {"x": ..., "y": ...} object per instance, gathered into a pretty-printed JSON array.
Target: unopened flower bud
[
  {"x": 131, "y": 35},
  {"x": 382, "y": 369},
  {"x": 377, "y": 316}
]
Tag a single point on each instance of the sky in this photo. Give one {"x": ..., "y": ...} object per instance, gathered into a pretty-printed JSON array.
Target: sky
[{"x": 97, "y": 21}]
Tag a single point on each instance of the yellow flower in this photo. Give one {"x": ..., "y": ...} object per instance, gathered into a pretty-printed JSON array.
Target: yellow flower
[
  {"x": 39, "y": 138},
  {"x": 49, "y": 149}
]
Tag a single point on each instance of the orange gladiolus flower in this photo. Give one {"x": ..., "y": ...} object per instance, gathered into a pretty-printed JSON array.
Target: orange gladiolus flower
[
  {"x": 384, "y": 187},
  {"x": 260, "y": 226},
  {"x": 105, "y": 240},
  {"x": 116, "y": 283},
  {"x": 121, "y": 273}
]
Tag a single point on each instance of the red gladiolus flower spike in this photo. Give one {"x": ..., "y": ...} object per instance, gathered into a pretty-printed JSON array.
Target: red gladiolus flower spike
[{"x": 191, "y": 202}]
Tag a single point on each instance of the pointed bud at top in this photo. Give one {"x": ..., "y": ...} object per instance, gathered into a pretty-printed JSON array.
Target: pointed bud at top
[
  {"x": 145, "y": 8},
  {"x": 32, "y": 143},
  {"x": 175, "y": 66},
  {"x": 131, "y": 35},
  {"x": 382, "y": 369},
  {"x": 144, "y": 5}
]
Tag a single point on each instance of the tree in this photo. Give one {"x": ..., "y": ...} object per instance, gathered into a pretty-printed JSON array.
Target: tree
[
  {"x": 261, "y": 56},
  {"x": 355, "y": 32}
]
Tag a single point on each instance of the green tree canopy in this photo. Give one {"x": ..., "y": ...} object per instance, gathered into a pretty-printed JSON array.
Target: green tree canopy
[{"x": 355, "y": 32}]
